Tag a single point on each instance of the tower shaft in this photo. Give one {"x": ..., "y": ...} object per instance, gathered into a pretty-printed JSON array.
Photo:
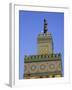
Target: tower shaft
[{"x": 45, "y": 42}]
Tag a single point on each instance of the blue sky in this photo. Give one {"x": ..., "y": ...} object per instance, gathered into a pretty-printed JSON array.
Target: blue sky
[{"x": 31, "y": 23}]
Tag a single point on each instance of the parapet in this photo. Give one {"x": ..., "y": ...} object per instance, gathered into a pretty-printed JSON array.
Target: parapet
[{"x": 46, "y": 57}]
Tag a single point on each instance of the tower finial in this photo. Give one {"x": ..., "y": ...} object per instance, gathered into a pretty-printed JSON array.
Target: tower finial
[{"x": 45, "y": 26}]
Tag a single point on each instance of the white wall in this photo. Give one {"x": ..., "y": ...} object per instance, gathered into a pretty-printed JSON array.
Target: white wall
[{"x": 4, "y": 42}]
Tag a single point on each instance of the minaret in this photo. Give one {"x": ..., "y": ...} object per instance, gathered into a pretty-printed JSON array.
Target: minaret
[
  {"x": 44, "y": 41},
  {"x": 46, "y": 63}
]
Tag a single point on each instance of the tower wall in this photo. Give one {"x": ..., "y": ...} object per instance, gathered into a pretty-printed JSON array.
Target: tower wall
[{"x": 45, "y": 44}]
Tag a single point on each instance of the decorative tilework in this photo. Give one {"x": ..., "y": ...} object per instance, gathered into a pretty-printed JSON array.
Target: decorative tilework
[
  {"x": 51, "y": 66},
  {"x": 38, "y": 67},
  {"x": 33, "y": 67},
  {"x": 42, "y": 66}
]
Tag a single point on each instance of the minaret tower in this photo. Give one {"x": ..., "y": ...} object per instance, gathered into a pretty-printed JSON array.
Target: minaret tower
[
  {"x": 46, "y": 63},
  {"x": 45, "y": 41}
]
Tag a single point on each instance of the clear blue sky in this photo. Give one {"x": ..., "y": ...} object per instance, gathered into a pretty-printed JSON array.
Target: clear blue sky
[{"x": 30, "y": 25}]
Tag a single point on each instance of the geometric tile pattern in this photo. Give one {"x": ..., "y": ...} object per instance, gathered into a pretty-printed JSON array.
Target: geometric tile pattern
[{"x": 37, "y": 67}]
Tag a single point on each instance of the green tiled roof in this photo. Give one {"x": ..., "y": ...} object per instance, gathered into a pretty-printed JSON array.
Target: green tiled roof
[
  {"x": 42, "y": 57},
  {"x": 45, "y": 73}
]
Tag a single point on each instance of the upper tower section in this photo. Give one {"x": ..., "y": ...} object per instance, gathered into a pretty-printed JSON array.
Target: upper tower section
[{"x": 45, "y": 41}]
